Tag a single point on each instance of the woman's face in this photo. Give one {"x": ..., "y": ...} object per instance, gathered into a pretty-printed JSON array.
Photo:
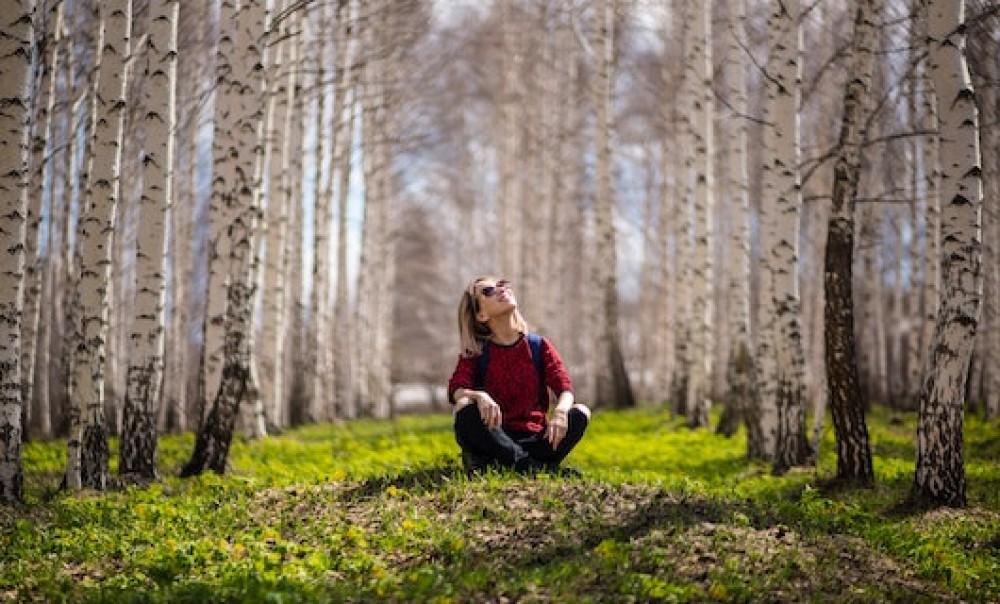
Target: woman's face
[{"x": 494, "y": 297}]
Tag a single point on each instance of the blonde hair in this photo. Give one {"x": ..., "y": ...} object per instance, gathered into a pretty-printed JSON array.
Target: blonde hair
[{"x": 472, "y": 332}]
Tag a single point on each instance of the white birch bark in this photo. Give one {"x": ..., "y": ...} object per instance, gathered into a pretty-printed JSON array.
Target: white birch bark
[
  {"x": 701, "y": 75},
  {"x": 547, "y": 141},
  {"x": 914, "y": 352},
  {"x": 43, "y": 171},
  {"x": 985, "y": 70},
  {"x": 15, "y": 98},
  {"x": 991, "y": 300},
  {"x": 940, "y": 471},
  {"x": 565, "y": 254},
  {"x": 258, "y": 71},
  {"x": 739, "y": 370},
  {"x": 780, "y": 353},
  {"x": 611, "y": 382},
  {"x": 931, "y": 201},
  {"x": 683, "y": 221},
  {"x": 292, "y": 184},
  {"x": 376, "y": 271},
  {"x": 509, "y": 199},
  {"x": 48, "y": 27},
  {"x": 241, "y": 104},
  {"x": 88, "y": 444},
  {"x": 176, "y": 411},
  {"x": 146, "y": 344},
  {"x": 274, "y": 326},
  {"x": 364, "y": 377},
  {"x": 343, "y": 136},
  {"x": 649, "y": 318},
  {"x": 223, "y": 210},
  {"x": 319, "y": 294},
  {"x": 386, "y": 245}
]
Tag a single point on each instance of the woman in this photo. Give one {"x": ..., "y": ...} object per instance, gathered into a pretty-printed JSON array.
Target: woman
[{"x": 501, "y": 392}]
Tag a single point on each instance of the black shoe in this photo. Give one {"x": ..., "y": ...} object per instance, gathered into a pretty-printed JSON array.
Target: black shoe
[
  {"x": 474, "y": 464},
  {"x": 564, "y": 471},
  {"x": 529, "y": 466}
]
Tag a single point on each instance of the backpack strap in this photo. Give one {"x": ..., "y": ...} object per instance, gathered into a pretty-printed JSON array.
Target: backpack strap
[
  {"x": 481, "y": 364},
  {"x": 535, "y": 344}
]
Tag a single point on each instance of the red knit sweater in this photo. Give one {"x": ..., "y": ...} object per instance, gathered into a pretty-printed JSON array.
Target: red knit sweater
[{"x": 512, "y": 381}]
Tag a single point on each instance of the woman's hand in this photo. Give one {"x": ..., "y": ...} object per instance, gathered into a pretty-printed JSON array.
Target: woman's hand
[
  {"x": 556, "y": 430},
  {"x": 489, "y": 410}
]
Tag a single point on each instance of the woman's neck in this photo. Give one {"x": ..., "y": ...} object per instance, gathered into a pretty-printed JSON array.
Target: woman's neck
[{"x": 504, "y": 330}]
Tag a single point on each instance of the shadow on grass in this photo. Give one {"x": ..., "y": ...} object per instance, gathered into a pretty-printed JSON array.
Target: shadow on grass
[
  {"x": 415, "y": 480},
  {"x": 661, "y": 511}
]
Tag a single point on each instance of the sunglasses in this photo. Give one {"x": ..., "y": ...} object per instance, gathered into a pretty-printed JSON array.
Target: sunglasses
[{"x": 490, "y": 290}]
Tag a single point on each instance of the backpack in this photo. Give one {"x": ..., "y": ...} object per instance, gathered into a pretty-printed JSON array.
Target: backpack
[{"x": 535, "y": 344}]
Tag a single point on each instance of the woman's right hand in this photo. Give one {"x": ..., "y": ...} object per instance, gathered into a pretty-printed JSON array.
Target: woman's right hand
[{"x": 489, "y": 410}]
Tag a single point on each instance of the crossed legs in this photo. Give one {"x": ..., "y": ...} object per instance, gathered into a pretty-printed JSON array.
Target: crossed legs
[{"x": 482, "y": 447}]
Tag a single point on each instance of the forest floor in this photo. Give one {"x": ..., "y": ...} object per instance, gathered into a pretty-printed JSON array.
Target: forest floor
[{"x": 381, "y": 511}]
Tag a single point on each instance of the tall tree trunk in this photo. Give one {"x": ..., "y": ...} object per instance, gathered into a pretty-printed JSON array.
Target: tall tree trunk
[
  {"x": 223, "y": 208},
  {"x": 145, "y": 358},
  {"x": 240, "y": 103},
  {"x": 739, "y": 365},
  {"x": 854, "y": 457},
  {"x": 985, "y": 68},
  {"x": 780, "y": 355},
  {"x": 914, "y": 350},
  {"x": 375, "y": 272},
  {"x": 365, "y": 304},
  {"x": 940, "y": 472},
  {"x": 931, "y": 294},
  {"x": 509, "y": 200},
  {"x": 47, "y": 35},
  {"x": 612, "y": 381},
  {"x": 699, "y": 404},
  {"x": 684, "y": 225},
  {"x": 320, "y": 302},
  {"x": 292, "y": 183},
  {"x": 274, "y": 325},
  {"x": 88, "y": 444},
  {"x": 344, "y": 136},
  {"x": 54, "y": 319},
  {"x": 15, "y": 99}
]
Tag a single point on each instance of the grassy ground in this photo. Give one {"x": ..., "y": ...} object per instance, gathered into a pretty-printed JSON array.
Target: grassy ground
[{"x": 380, "y": 511}]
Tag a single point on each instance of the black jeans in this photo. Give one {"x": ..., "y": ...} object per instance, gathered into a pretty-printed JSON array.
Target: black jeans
[{"x": 511, "y": 449}]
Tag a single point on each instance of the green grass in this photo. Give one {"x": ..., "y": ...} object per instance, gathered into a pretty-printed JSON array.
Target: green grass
[{"x": 381, "y": 511}]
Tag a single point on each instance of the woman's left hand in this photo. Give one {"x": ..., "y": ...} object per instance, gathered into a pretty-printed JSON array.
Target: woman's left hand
[{"x": 556, "y": 429}]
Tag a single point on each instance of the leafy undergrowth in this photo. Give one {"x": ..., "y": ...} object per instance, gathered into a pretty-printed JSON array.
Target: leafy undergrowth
[{"x": 381, "y": 511}]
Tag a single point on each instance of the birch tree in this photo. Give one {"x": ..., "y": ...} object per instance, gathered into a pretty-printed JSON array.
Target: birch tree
[
  {"x": 739, "y": 366},
  {"x": 985, "y": 68},
  {"x": 611, "y": 380},
  {"x": 88, "y": 442},
  {"x": 780, "y": 354},
  {"x": 145, "y": 357},
  {"x": 854, "y": 458},
  {"x": 940, "y": 471},
  {"x": 48, "y": 47},
  {"x": 915, "y": 349},
  {"x": 321, "y": 345},
  {"x": 509, "y": 200},
  {"x": 683, "y": 219},
  {"x": 223, "y": 210},
  {"x": 15, "y": 63},
  {"x": 377, "y": 268},
  {"x": 239, "y": 104},
  {"x": 931, "y": 163},
  {"x": 275, "y": 283},
  {"x": 343, "y": 135},
  {"x": 699, "y": 404}
]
